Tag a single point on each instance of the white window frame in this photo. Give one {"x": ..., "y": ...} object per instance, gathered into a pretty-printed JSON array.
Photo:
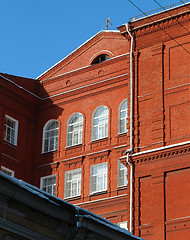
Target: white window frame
[
  {"x": 54, "y": 138},
  {"x": 14, "y": 131},
  {"x": 53, "y": 186},
  {"x": 7, "y": 171},
  {"x": 77, "y": 133},
  {"x": 96, "y": 128},
  {"x": 96, "y": 177},
  {"x": 122, "y": 173},
  {"x": 125, "y": 119},
  {"x": 73, "y": 182},
  {"x": 123, "y": 224}
]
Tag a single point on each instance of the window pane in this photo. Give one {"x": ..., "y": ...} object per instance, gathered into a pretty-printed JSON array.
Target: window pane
[
  {"x": 101, "y": 131},
  {"x": 48, "y": 184},
  {"x": 123, "y": 114},
  {"x": 11, "y": 126},
  {"x": 100, "y": 182},
  {"x": 51, "y": 136},
  {"x": 73, "y": 183},
  {"x": 122, "y": 174},
  {"x": 93, "y": 184},
  {"x": 99, "y": 177},
  {"x": 100, "y": 123},
  {"x": 106, "y": 129},
  {"x": 123, "y": 118},
  {"x": 75, "y": 128}
]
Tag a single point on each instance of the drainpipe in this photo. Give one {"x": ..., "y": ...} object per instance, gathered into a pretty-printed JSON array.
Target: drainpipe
[
  {"x": 131, "y": 87},
  {"x": 78, "y": 220},
  {"x": 129, "y": 151},
  {"x": 131, "y": 189}
]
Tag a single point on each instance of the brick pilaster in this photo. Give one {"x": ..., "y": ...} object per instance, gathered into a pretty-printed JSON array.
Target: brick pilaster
[
  {"x": 158, "y": 101},
  {"x": 158, "y": 207}
]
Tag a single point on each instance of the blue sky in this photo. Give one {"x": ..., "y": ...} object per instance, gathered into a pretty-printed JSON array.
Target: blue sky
[{"x": 35, "y": 34}]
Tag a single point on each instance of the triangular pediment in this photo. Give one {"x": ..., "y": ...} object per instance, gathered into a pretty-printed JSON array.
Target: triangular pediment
[{"x": 107, "y": 42}]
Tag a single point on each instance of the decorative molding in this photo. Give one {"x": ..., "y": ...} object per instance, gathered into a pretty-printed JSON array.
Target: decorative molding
[
  {"x": 7, "y": 156},
  {"x": 153, "y": 156},
  {"x": 157, "y": 49},
  {"x": 177, "y": 224},
  {"x": 48, "y": 164},
  {"x": 100, "y": 200},
  {"x": 102, "y": 153},
  {"x": 90, "y": 86},
  {"x": 74, "y": 149},
  {"x": 123, "y": 137},
  {"x": 146, "y": 229},
  {"x": 76, "y": 161},
  {"x": 99, "y": 143},
  {"x": 160, "y": 25},
  {"x": 125, "y": 145}
]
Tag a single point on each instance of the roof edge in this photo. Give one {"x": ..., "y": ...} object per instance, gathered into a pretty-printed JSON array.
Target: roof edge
[
  {"x": 75, "y": 51},
  {"x": 154, "y": 14}
]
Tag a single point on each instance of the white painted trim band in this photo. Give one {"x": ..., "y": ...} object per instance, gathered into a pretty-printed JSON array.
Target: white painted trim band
[
  {"x": 85, "y": 86},
  {"x": 99, "y": 200},
  {"x": 157, "y": 149}
]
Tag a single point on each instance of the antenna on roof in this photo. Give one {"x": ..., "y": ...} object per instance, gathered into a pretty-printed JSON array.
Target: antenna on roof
[{"x": 107, "y": 23}]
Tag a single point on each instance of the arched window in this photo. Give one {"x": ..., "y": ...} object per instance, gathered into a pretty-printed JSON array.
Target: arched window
[
  {"x": 50, "y": 136},
  {"x": 100, "y": 123},
  {"x": 75, "y": 129},
  {"x": 123, "y": 116},
  {"x": 100, "y": 58}
]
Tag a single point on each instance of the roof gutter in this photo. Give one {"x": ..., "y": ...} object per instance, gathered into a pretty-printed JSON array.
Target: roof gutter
[
  {"x": 108, "y": 232},
  {"x": 57, "y": 208}
]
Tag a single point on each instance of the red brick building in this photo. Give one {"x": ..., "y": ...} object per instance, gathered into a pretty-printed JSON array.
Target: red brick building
[{"x": 118, "y": 105}]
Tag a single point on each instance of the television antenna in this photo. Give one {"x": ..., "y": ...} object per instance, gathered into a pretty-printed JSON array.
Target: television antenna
[{"x": 107, "y": 23}]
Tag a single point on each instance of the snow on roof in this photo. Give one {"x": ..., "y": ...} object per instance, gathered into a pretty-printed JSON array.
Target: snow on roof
[
  {"x": 75, "y": 50},
  {"x": 59, "y": 202}
]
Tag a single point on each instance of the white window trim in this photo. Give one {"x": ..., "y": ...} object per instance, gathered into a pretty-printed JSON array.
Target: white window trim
[
  {"x": 74, "y": 131},
  {"x": 46, "y": 177},
  {"x": 91, "y": 168},
  {"x": 123, "y": 223},
  {"x": 93, "y": 125},
  {"x": 12, "y": 173},
  {"x": 78, "y": 190},
  {"x": 119, "y": 175},
  {"x": 119, "y": 117},
  {"x": 43, "y": 138},
  {"x": 16, "y": 130}
]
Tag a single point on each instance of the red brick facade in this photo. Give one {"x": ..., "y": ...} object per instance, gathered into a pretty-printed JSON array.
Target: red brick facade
[{"x": 160, "y": 125}]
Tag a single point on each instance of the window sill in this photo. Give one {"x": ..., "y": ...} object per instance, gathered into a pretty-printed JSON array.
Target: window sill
[
  {"x": 99, "y": 143},
  {"x": 121, "y": 187},
  {"x": 76, "y": 149},
  {"x": 76, "y": 145},
  {"x": 120, "y": 134},
  {"x": 122, "y": 137},
  {"x": 10, "y": 144},
  {"x": 72, "y": 198},
  {"x": 50, "y": 152},
  {"x": 98, "y": 193},
  {"x": 100, "y": 139}
]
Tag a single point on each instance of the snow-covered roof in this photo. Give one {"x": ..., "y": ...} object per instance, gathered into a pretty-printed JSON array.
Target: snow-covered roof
[{"x": 62, "y": 203}]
